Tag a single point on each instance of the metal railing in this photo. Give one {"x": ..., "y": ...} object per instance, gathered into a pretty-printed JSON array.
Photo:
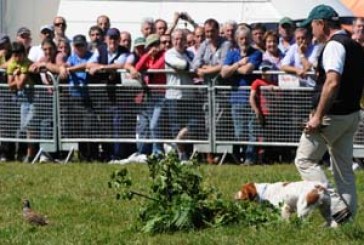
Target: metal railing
[{"x": 66, "y": 115}]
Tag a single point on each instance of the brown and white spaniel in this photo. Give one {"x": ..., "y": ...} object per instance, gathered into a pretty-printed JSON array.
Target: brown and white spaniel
[{"x": 301, "y": 197}]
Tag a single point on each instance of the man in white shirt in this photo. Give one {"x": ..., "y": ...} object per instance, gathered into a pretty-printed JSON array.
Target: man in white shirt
[
  {"x": 335, "y": 117},
  {"x": 36, "y": 52},
  {"x": 182, "y": 106}
]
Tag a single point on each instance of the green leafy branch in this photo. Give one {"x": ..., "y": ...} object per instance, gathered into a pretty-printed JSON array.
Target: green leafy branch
[{"x": 179, "y": 200}]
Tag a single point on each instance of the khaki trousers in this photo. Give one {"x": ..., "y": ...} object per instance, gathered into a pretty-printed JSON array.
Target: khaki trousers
[{"x": 337, "y": 138}]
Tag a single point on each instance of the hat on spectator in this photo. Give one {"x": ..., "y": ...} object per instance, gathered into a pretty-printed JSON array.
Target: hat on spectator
[
  {"x": 4, "y": 38},
  {"x": 286, "y": 21},
  {"x": 79, "y": 40},
  {"x": 266, "y": 65},
  {"x": 113, "y": 33},
  {"x": 46, "y": 28},
  {"x": 151, "y": 39},
  {"x": 139, "y": 41},
  {"x": 23, "y": 30},
  {"x": 323, "y": 12}
]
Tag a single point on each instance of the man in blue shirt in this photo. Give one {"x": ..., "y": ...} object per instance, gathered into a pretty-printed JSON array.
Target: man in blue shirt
[
  {"x": 238, "y": 65},
  {"x": 81, "y": 118}
]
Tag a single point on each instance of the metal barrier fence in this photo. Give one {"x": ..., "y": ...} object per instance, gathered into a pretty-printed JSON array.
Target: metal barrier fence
[{"x": 216, "y": 119}]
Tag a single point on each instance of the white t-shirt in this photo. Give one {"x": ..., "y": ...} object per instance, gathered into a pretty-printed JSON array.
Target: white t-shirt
[
  {"x": 333, "y": 58},
  {"x": 178, "y": 61},
  {"x": 36, "y": 53}
]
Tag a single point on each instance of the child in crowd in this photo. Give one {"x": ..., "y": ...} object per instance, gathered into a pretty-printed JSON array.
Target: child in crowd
[
  {"x": 259, "y": 103},
  {"x": 20, "y": 83}
]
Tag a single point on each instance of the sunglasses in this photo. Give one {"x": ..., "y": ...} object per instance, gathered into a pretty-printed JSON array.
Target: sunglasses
[
  {"x": 80, "y": 45},
  {"x": 165, "y": 41},
  {"x": 46, "y": 32},
  {"x": 60, "y": 24},
  {"x": 25, "y": 36}
]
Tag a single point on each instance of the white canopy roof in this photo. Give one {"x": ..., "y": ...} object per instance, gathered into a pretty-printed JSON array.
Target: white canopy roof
[{"x": 127, "y": 15}]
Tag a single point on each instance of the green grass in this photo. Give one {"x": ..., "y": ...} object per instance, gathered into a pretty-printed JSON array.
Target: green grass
[{"x": 83, "y": 210}]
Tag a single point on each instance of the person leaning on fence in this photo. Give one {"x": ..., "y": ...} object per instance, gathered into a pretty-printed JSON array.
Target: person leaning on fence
[
  {"x": 7, "y": 149},
  {"x": 335, "y": 115},
  {"x": 181, "y": 103},
  {"x": 80, "y": 119},
  {"x": 150, "y": 118},
  {"x": 238, "y": 66},
  {"x": 63, "y": 51},
  {"x": 47, "y": 63},
  {"x": 20, "y": 83},
  {"x": 115, "y": 112},
  {"x": 36, "y": 52},
  {"x": 150, "y": 101},
  {"x": 210, "y": 56},
  {"x": 301, "y": 57}
]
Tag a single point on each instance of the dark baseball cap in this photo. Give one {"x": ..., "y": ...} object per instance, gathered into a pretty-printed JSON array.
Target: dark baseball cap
[
  {"x": 286, "y": 21},
  {"x": 48, "y": 28},
  {"x": 113, "y": 33},
  {"x": 22, "y": 31},
  {"x": 140, "y": 41},
  {"x": 266, "y": 65},
  {"x": 79, "y": 40},
  {"x": 323, "y": 12},
  {"x": 4, "y": 38}
]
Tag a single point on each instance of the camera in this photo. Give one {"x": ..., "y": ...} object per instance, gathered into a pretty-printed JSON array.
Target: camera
[{"x": 183, "y": 16}]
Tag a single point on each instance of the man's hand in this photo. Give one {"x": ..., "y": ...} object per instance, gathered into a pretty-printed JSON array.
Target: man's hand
[
  {"x": 302, "y": 48},
  {"x": 153, "y": 51},
  {"x": 313, "y": 124},
  {"x": 200, "y": 72}
]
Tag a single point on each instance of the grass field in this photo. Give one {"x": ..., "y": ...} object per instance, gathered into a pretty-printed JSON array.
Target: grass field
[{"x": 83, "y": 210}]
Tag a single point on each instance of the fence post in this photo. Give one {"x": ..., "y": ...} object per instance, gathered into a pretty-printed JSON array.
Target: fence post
[{"x": 212, "y": 112}]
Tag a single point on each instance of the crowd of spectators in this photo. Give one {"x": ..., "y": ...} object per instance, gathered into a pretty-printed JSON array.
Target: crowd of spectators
[{"x": 229, "y": 50}]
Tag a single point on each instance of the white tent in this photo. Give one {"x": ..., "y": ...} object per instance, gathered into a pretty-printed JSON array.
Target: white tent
[{"x": 127, "y": 15}]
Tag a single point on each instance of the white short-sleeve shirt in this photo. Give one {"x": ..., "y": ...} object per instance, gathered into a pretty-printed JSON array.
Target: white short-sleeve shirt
[{"x": 333, "y": 58}]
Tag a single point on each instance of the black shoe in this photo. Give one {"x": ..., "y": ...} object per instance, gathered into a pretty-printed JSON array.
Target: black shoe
[{"x": 343, "y": 216}]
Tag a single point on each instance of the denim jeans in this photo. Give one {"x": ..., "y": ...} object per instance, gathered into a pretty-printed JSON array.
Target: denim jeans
[
  {"x": 149, "y": 124},
  {"x": 243, "y": 121},
  {"x": 27, "y": 114},
  {"x": 173, "y": 117}
]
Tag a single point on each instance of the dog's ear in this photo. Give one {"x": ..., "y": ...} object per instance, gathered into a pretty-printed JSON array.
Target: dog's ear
[{"x": 247, "y": 192}]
